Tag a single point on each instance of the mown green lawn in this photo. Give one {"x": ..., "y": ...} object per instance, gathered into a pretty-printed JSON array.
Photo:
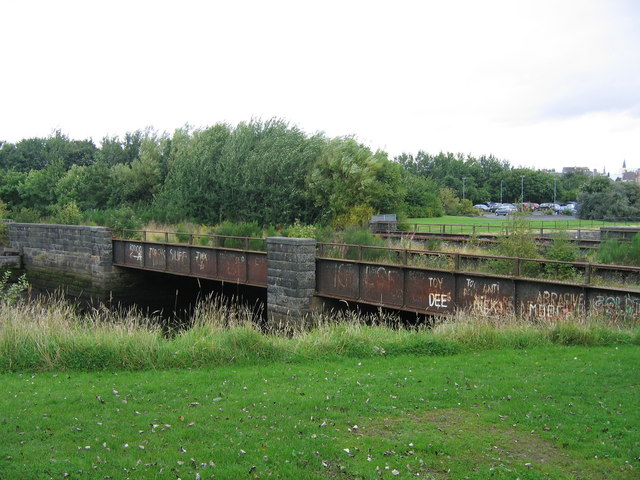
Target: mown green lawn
[
  {"x": 493, "y": 224},
  {"x": 553, "y": 412}
]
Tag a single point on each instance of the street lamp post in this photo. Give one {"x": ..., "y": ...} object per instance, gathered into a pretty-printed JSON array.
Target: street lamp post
[
  {"x": 501, "y": 190},
  {"x": 554, "y": 190},
  {"x": 522, "y": 189},
  {"x": 463, "y": 185}
]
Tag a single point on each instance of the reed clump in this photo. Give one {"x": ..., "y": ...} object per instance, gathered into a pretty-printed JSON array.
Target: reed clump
[{"x": 50, "y": 334}]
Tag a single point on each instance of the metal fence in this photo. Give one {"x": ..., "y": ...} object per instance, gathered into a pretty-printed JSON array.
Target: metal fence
[{"x": 197, "y": 239}]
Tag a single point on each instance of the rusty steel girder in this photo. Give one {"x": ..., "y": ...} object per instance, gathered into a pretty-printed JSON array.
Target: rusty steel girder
[
  {"x": 229, "y": 265},
  {"x": 441, "y": 292}
]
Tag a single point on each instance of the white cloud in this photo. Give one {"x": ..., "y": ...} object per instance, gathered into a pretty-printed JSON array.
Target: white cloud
[{"x": 541, "y": 83}]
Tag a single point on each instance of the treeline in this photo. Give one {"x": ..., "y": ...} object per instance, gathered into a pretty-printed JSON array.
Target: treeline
[{"x": 260, "y": 171}]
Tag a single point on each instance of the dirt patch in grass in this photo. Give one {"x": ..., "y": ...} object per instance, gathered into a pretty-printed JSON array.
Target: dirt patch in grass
[
  {"x": 506, "y": 442},
  {"x": 452, "y": 440}
]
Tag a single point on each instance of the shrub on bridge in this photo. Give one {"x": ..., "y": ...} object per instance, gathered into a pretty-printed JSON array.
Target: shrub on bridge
[
  {"x": 518, "y": 242},
  {"x": 300, "y": 230},
  {"x": 613, "y": 251},
  {"x": 561, "y": 250},
  {"x": 251, "y": 229},
  {"x": 364, "y": 237}
]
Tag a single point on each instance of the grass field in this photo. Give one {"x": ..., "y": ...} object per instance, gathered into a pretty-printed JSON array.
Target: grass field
[
  {"x": 549, "y": 412},
  {"x": 492, "y": 224},
  {"x": 108, "y": 395}
]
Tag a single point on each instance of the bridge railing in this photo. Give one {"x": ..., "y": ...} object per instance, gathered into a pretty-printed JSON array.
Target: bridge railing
[
  {"x": 582, "y": 273},
  {"x": 197, "y": 239}
]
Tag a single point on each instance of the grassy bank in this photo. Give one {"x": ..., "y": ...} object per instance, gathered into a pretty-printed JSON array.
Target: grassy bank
[
  {"x": 50, "y": 335},
  {"x": 546, "y": 412}
]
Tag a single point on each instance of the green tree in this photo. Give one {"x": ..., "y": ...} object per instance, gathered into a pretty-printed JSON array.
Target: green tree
[
  {"x": 138, "y": 181},
  {"x": 569, "y": 185},
  {"x": 10, "y": 182},
  {"x": 421, "y": 198},
  {"x": 597, "y": 185},
  {"x": 113, "y": 151},
  {"x": 60, "y": 149},
  {"x": 192, "y": 188},
  {"x": 38, "y": 190},
  {"x": 263, "y": 171},
  {"x": 28, "y": 154},
  {"x": 478, "y": 177},
  {"x": 347, "y": 174},
  {"x": 89, "y": 187},
  {"x": 602, "y": 200}
]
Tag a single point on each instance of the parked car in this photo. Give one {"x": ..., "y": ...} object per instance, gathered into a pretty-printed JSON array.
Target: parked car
[
  {"x": 481, "y": 206},
  {"x": 568, "y": 209},
  {"x": 504, "y": 211}
]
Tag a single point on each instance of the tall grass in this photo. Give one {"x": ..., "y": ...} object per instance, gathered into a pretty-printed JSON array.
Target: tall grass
[{"x": 49, "y": 334}]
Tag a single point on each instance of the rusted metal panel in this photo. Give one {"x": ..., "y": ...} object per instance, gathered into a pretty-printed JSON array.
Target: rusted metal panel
[
  {"x": 216, "y": 264},
  {"x": 615, "y": 305},
  {"x": 381, "y": 285},
  {"x": 545, "y": 301},
  {"x": 338, "y": 279},
  {"x": 486, "y": 296},
  {"x": 203, "y": 262},
  {"x": 178, "y": 259},
  {"x": 134, "y": 254},
  {"x": 232, "y": 266},
  {"x": 429, "y": 291},
  {"x": 257, "y": 269},
  {"x": 118, "y": 252},
  {"x": 155, "y": 256}
]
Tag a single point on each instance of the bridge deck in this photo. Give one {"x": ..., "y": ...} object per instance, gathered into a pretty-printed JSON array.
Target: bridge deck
[
  {"x": 420, "y": 289},
  {"x": 442, "y": 292},
  {"x": 222, "y": 264}
]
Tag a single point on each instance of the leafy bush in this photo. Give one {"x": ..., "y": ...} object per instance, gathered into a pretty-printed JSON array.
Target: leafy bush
[
  {"x": 453, "y": 205},
  {"x": 356, "y": 216},
  {"x": 26, "y": 215},
  {"x": 561, "y": 250},
  {"x": 613, "y": 251},
  {"x": 4, "y": 214},
  {"x": 364, "y": 237},
  {"x": 183, "y": 228},
  {"x": 602, "y": 199},
  {"x": 10, "y": 292},
  {"x": 300, "y": 230},
  {"x": 517, "y": 243},
  {"x": 68, "y": 214},
  {"x": 251, "y": 229},
  {"x": 117, "y": 218}
]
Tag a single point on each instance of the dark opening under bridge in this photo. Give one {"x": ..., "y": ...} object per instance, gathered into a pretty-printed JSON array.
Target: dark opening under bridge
[{"x": 299, "y": 273}]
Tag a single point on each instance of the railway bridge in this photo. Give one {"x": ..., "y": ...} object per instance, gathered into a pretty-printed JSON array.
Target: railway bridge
[{"x": 301, "y": 275}]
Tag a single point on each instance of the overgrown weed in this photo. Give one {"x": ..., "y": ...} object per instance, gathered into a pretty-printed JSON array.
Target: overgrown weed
[{"x": 49, "y": 334}]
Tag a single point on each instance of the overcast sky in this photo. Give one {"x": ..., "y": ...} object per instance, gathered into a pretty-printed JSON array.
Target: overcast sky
[{"x": 540, "y": 83}]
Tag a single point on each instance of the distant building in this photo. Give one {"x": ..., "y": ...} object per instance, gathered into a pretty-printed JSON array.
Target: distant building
[
  {"x": 583, "y": 170},
  {"x": 628, "y": 176}
]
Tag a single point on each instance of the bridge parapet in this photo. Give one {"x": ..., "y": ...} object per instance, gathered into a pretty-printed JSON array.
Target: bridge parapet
[
  {"x": 222, "y": 264},
  {"x": 85, "y": 260},
  {"x": 76, "y": 257}
]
